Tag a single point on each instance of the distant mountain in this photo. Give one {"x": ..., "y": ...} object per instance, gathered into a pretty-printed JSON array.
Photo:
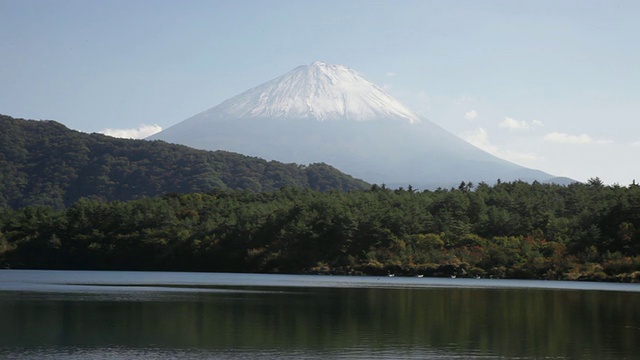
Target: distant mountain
[
  {"x": 45, "y": 163},
  {"x": 329, "y": 113},
  {"x": 561, "y": 180}
]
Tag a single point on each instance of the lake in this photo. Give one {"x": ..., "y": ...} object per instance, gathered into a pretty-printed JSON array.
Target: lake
[{"x": 162, "y": 315}]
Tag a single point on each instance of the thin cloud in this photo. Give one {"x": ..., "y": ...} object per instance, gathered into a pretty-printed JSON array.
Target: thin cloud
[
  {"x": 513, "y": 124},
  {"x": 480, "y": 139},
  {"x": 468, "y": 100},
  {"x": 140, "y": 133},
  {"x": 390, "y": 74},
  {"x": 471, "y": 115},
  {"x": 635, "y": 143},
  {"x": 563, "y": 138}
]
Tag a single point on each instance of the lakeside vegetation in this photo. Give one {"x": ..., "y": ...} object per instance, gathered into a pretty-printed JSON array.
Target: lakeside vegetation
[{"x": 508, "y": 230}]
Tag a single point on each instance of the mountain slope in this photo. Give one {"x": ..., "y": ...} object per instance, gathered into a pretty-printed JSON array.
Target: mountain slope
[
  {"x": 43, "y": 162},
  {"x": 329, "y": 113}
]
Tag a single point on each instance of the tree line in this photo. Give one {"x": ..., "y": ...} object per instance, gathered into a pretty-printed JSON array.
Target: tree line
[{"x": 507, "y": 230}]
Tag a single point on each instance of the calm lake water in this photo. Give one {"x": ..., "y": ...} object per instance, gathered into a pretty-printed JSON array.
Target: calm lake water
[{"x": 159, "y": 315}]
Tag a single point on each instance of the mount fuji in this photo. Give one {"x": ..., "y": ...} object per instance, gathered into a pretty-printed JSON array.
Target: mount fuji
[{"x": 329, "y": 113}]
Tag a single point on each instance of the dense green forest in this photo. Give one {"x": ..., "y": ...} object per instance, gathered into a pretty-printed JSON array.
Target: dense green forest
[
  {"x": 45, "y": 163},
  {"x": 508, "y": 230}
]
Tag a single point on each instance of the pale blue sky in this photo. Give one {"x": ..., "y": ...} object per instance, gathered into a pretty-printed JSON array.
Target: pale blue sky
[{"x": 552, "y": 85}]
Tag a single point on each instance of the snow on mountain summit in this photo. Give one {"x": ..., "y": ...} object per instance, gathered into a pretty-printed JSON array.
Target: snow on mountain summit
[
  {"x": 329, "y": 113},
  {"x": 317, "y": 91}
]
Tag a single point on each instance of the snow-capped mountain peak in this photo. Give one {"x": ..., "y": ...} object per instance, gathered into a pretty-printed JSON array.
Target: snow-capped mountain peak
[
  {"x": 329, "y": 113},
  {"x": 317, "y": 91}
]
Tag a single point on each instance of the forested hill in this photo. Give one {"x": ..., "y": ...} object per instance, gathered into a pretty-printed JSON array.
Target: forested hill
[{"x": 45, "y": 163}]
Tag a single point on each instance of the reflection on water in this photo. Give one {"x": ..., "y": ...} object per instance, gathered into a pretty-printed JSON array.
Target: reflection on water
[
  {"x": 226, "y": 322},
  {"x": 158, "y": 353}
]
